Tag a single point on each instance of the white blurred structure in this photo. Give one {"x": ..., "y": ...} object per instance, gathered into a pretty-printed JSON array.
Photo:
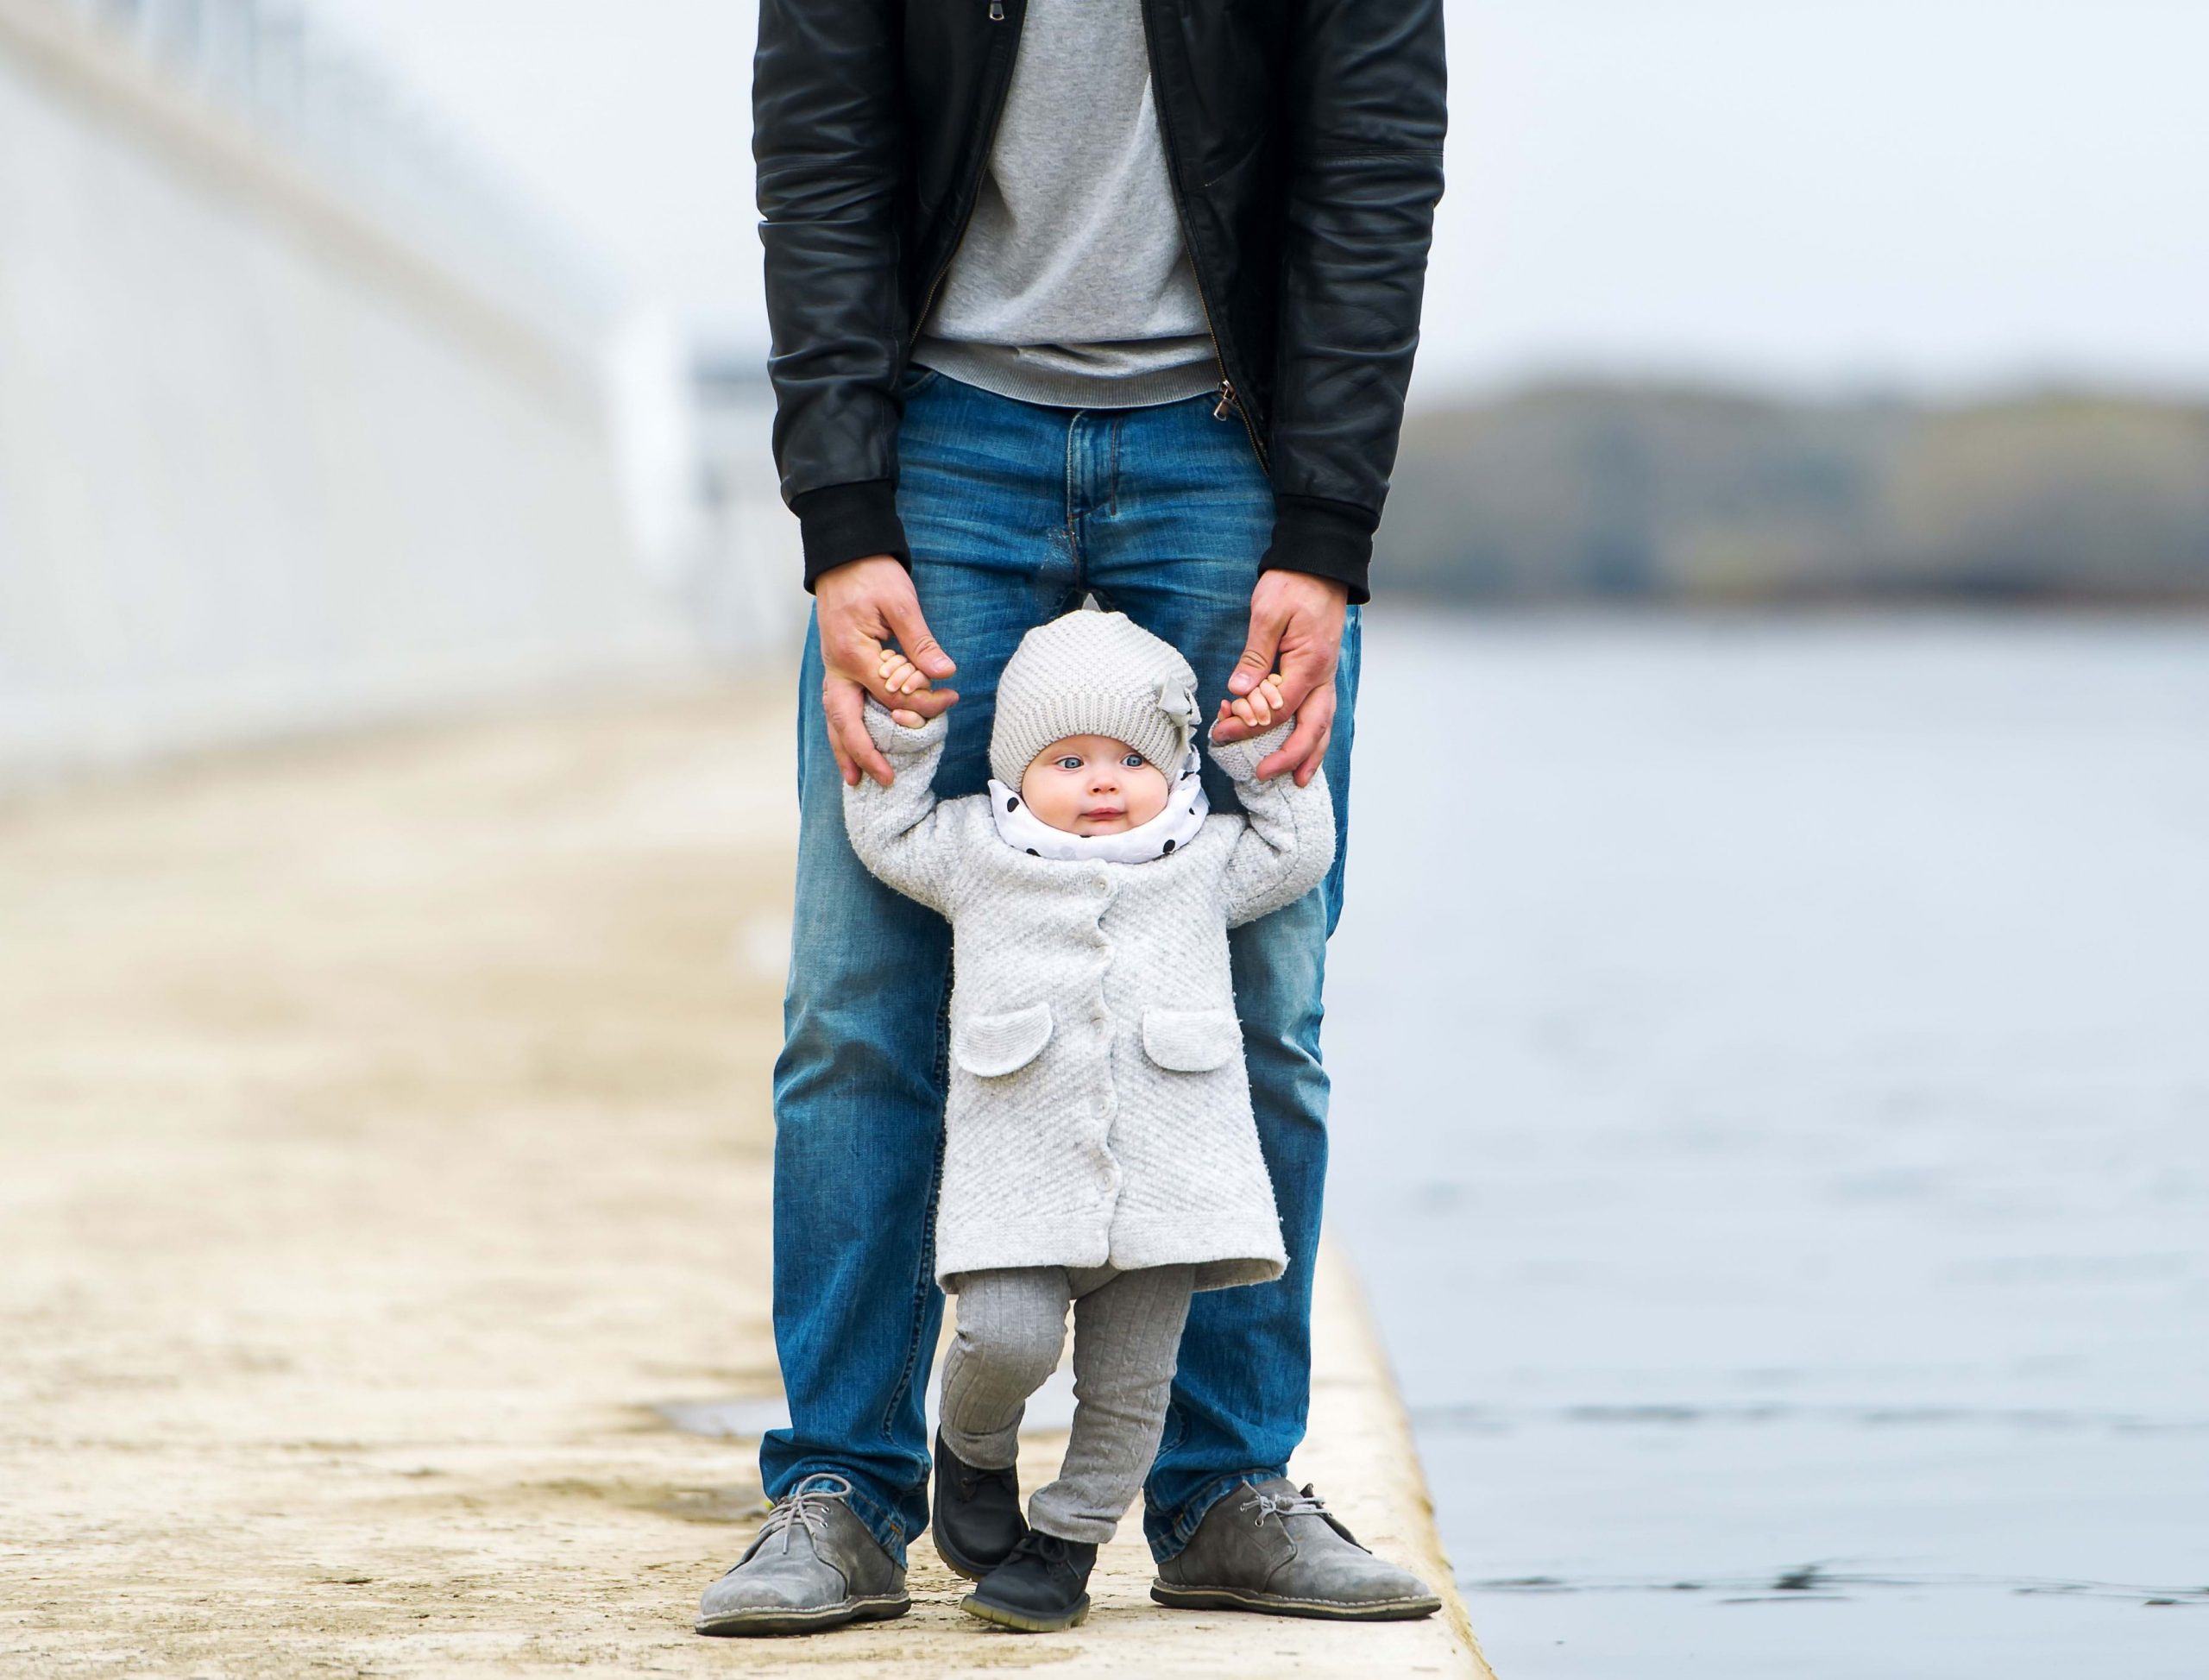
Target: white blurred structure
[
  {"x": 298, "y": 425},
  {"x": 744, "y": 588}
]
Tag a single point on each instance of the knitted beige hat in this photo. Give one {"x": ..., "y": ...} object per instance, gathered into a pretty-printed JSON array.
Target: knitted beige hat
[{"x": 1092, "y": 673}]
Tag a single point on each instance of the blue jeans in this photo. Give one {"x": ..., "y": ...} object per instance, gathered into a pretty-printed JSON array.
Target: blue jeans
[{"x": 1014, "y": 512}]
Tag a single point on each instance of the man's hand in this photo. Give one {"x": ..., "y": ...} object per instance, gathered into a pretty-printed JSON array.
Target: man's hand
[
  {"x": 1296, "y": 631},
  {"x": 861, "y": 606}
]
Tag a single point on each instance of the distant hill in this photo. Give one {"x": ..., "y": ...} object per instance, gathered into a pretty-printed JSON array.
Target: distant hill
[{"x": 1624, "y": 491}]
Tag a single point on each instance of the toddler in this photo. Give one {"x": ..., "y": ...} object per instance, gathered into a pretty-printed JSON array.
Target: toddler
[{"x": 1098, "y": 1143}]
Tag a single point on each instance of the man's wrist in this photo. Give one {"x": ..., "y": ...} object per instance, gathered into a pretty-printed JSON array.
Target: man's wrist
[
  {"x": 1309, "y": 585},
  {"x": 831, "y": 579}
]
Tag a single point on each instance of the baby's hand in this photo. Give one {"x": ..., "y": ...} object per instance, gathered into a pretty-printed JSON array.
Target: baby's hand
[
  {"x": 901, "y": 676},
  {"x": 1255, "y": 708}
]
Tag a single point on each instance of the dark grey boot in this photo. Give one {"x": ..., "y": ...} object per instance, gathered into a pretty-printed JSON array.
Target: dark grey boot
[
  {"x": 1043, "y": 1588},
  {"x": 976, "y": 1521},
  {"x": 1270, "y": 1549},
  {"x": 813, "y": 1565}
]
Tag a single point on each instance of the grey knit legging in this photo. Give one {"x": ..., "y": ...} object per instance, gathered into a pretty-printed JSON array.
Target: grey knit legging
[{"x": 1127, "y": 1332}]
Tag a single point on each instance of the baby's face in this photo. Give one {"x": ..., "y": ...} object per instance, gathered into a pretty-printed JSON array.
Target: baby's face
[{"x": 1091, "y": 784}]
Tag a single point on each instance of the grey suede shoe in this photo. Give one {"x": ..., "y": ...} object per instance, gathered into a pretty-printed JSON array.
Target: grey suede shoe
[
  {"x": 1277, "y": 1551},
  {"x": 813, "y": 1565}
]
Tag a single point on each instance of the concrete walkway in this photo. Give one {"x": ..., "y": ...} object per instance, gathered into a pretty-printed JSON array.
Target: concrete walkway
[{"x": 383, "y": 1138}]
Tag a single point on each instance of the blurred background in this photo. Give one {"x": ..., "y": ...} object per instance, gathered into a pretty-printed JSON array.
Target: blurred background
[{"x": 1772, "y": 1106}]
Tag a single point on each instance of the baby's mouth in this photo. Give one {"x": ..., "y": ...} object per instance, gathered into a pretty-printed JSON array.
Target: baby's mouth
[{"x": 1102, "y": 817}]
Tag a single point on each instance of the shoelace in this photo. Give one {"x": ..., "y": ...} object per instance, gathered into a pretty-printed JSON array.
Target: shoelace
[
  {"x": 806, "y": 1508},
  {"x": 1278, "y": 1506}
]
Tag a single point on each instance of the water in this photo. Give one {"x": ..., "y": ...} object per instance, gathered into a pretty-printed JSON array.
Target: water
[{"x": 1772, "y": 1119}]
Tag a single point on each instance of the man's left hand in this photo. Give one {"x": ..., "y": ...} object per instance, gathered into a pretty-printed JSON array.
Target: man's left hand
[{"x": 1296, "y": 629}]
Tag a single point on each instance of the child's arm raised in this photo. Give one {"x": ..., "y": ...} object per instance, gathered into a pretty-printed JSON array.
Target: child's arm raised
[
  {"x": 1289, "y": 833},
  {"x": 901, "y": 832}
]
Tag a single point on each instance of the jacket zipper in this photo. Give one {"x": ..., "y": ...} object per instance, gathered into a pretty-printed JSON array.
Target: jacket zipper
[
  {"x": 1228, "y": 396},
  {"x": 974, "y": 187},
  {"x": 1229, "y": 400}
]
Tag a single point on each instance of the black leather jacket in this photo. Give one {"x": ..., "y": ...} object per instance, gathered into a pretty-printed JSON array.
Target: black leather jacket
[{"x": 1305, "y": 142}]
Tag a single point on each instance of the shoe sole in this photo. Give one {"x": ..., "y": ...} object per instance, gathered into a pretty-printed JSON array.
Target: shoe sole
[
  {"x": 748, "y": 1624},
  {"x": 1000, "y": 1617},
  {"x": 1274, "y": 1604}
]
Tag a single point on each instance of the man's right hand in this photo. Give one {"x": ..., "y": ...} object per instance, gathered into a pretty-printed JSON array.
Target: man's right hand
[{"x": 861, "y": 606}]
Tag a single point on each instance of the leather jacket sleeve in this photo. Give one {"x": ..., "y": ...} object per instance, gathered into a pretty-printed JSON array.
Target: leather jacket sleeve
[
  {"x": 826, "y": 142},
  {"x": 1368, "y": 101}
]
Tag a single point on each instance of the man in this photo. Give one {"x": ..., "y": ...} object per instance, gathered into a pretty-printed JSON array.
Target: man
[{"x": 1069, "y": 298}]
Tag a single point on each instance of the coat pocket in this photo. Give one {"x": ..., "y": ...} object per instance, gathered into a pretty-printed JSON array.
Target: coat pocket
[
  {"x": 1191, "y": 1040},
  {"x": 993, "y": 1045}
]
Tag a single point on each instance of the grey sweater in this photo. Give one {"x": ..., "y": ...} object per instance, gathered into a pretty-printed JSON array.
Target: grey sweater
[
  {"x": 1070, "y": 286},
  {"x": 1100, "y": 1111}
]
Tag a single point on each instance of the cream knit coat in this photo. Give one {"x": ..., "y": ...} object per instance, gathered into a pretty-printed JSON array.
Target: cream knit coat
[{"x": 1099, "y": 1112}]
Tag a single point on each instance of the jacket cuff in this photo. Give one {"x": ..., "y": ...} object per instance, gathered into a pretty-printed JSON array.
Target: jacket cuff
[
  {"x": 894, "y": 739},
  {"x": 1239, "y": 760},
  {"x": 1325, "y": 538},
  {"x": 841, "y": 522}
]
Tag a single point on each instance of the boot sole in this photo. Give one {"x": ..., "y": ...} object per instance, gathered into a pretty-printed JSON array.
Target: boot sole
[
  {"x": 1001, "y": 1617},
  {"x": 762, "y": 1624},
  {"x": 1273, "y": 1604}
]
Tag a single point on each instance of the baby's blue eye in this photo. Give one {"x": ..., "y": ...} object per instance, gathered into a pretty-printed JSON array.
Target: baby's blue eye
[
  {"x": 1133, "y": 761},
  {"x": 1069, "y": 762}
]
